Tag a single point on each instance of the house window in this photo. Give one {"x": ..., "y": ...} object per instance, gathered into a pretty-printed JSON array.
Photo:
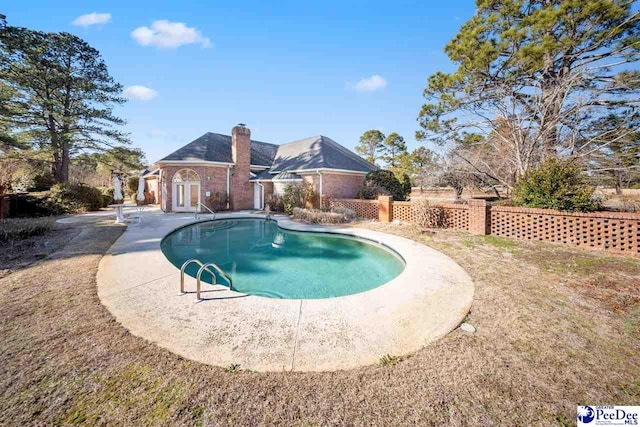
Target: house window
[{"x": 184, "y": 175}]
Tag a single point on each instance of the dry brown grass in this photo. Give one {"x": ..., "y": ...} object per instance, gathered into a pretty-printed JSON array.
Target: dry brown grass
[{"x": 556, "y": 328}]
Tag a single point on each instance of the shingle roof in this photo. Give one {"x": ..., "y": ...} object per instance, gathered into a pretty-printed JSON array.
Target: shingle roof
[
  {"x": 262, "y": 176},
  {"x": 318, "y": 152},
  {"x": 286, "y": 176},
  {"x": 214, "y": 147}
]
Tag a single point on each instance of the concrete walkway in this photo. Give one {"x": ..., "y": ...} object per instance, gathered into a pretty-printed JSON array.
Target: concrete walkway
[{"x": 140, "y": 287}]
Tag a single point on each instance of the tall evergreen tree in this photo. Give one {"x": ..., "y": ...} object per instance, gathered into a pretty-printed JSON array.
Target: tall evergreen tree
[
  {"x": 392, "y": 148},
  {"x": 63, "y": 94},
  {"x": 370, "y": 144}
]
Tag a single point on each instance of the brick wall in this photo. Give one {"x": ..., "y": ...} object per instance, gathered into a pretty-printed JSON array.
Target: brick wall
[
  {"x": 151, "y": 187},
  {"x": 367, "y": 209},
  {"x": 613, "y": 231},
  {"x": 454, "y": 215},
  {"x": 212, "y": 179},
  {"x": 341, "y": 186}
]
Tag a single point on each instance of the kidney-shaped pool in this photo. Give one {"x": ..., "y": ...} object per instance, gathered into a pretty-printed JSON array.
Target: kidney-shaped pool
[{"x": 264, "y": 259}]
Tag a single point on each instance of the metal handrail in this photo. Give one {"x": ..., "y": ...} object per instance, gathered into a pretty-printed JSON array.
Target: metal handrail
[
  {"x": 219, "y": 270},
  {"x": 207, "y": 208},
  {"x": 184, "y": 267}
]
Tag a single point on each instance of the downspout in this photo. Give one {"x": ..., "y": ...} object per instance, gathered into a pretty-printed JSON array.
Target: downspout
[
  {"x": 228, "y": 185},
  {"x": 320, "y": 201}
]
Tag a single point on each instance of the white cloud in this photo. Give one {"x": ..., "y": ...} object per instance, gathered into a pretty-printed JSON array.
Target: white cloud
[
  {"x": 91, "y": 19},
  {"x": 169, "y": 35},
  {"x": 141, "y": 93},
  {"x": 370, "y": 84}
]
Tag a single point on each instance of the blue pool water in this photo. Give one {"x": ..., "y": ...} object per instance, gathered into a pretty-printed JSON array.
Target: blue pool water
[{"x": 263, "y": 259}]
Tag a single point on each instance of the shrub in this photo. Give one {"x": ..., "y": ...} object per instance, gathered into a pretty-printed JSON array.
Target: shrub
[
  {"x": 32, "y": 177},
  {"x": 387, "y": 180},
  {"x": 218, "y": 201},
  {"x": 107, "y": 195},
  {"x": 22, "y": 228},
  {"x": 75, "y": 198},
  {"x": 428, "y": 216},
  {"x": 629, "y": 204},
  {"x": 132, "y": 186},
  {"x": 406, "y": 185},
  {"x": 317, "y": 216},
  {"x": 296, "y": 196},
  {"x": 349, "y": 214},
  {"x": 22, "y": 183},
  {"x": 555, "y": 184},
  {"x": 275, "y": 203},
  {"x": 371, "y": 192}
]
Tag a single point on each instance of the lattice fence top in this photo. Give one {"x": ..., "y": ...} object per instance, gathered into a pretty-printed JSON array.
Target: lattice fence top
[
  {"x": 614, "y": 231},
  {"x": 453, "y": 215},
  {"x": 363, "y": 208}
]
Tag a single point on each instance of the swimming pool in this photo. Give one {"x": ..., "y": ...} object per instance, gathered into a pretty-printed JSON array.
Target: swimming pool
[{"x": 266, "y": 260}]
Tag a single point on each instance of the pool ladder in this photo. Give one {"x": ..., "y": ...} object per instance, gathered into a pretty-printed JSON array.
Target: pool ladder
[
  {"x": 202, "y": 205},
  {"x": 203, "y": 268}
]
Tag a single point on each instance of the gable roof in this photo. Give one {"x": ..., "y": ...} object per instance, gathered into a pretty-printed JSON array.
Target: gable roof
[
  {"x": 318, "y": 152},
  {"x": 214, "y": 147}
]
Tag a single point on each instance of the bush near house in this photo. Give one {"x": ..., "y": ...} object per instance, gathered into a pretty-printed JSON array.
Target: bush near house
[
  {"x": 317, "y": 216},
  {"x": 218, "y": 201},
  {"x": 296, "y": 196},
  {"x": 275, "y": 203},
  {"x": 379, "y": 182},
  {"x": 556, "y": 184}
]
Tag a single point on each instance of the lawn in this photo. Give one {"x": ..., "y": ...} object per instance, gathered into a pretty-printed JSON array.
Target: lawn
[{"x": 557, "y": 327}]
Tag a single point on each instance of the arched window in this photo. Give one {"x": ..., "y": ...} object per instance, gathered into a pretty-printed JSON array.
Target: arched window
[{"x": 184, "y": 175}]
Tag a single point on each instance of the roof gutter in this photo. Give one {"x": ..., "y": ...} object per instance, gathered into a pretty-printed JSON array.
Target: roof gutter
[
  {"x": 192, "y": 162},
  {"x": 326, "y": 170}
]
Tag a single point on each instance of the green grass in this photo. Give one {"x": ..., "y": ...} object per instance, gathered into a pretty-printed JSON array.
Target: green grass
[
  {"x": 389, "y": 360},
  {"x": 234, "y": 368},
  {"x": 500, "y": 242}
]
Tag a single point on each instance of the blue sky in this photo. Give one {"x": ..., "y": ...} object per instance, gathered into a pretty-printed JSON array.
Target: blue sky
[{"x": 288, "y": 70}]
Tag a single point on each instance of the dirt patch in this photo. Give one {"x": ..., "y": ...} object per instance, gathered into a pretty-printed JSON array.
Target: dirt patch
[{"x": 544, "y": 345}]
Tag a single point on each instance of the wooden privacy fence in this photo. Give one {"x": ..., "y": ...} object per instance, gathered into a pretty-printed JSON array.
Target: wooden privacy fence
[{"x": 612, "y": 231}]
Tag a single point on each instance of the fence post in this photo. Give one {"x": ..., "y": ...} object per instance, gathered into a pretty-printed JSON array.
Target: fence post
[
  {"x": 479, "y": 217},
  {"x": 385, "y": 208}
]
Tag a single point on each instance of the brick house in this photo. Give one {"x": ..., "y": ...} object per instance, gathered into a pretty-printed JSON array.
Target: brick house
[{"x": 245, "y": 173}]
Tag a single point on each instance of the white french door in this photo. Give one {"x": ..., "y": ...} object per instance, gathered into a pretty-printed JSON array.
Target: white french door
[
  {"x": 186, "y": 196},
  {"x": 257, "y": 196}
]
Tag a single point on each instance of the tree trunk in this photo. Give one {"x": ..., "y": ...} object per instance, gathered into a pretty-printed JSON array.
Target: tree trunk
[
  {"x": 458, "y": 189},
  {"x": 64, "y": 167},
  {"x": 618, "y": 185}
]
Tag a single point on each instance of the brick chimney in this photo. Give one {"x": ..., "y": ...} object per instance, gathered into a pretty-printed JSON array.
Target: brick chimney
[{"x": 241, "y": 188}]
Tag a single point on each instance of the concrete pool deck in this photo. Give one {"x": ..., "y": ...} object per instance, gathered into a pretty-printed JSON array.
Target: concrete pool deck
[{"x": 140, "y": 287}]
